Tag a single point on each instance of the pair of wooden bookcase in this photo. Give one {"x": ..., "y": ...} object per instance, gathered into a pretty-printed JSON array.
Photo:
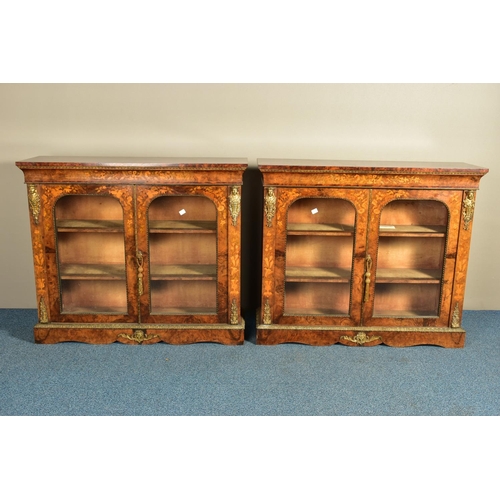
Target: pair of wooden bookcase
[{"x": 142, "y": 250}]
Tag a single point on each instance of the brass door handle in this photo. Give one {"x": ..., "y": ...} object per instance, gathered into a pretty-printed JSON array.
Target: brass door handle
[
  {"x": 368, "y": 273},
  {"x": 140, "y": 272}
]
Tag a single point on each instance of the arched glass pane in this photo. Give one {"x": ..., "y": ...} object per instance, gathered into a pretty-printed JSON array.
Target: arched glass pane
[
  {"x": 91, "y": 254},
  {"x": 410, "y": 260},
  {"x": 183, "y": 255},
  {"x": 319, "y": 255}
]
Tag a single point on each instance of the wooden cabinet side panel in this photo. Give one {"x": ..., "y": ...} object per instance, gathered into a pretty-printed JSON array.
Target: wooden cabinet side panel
[
  {"x": 234, "y": 254},
  {"x": 37, "y": 205},
  {"x": 462, "y": 261},
  {"x": 268, "y": 255}
]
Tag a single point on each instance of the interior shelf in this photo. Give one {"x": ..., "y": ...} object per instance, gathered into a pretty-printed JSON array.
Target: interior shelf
[
  {"x": 92, "y": 271},
  {"x": 313, "y": 312},
  {"x": 322, "y": 229},
  {"x": 324, "y": 274},
  {"x": 405, "y": 314},
  {"x": 412, "y": 231},
  {"x": 176, "y": 226},
  {"x": 93, "y": 310},
  {"x": 184, "y": 272},
  {"x": 117, "y": 271},
  {"x": 188, "y": 311},
  {"x": 80, "y": 225},
  {"x": 155, "y": 226},
  {"x": 420, "y": 276}
]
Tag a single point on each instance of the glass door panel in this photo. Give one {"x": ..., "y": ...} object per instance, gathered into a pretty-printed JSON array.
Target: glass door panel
[
  {"x": 182, "y": 233},
  {"x": 319, "y": 257},
  {"x": 410, "y": 258},
  {"x": 91, "y": 254}
]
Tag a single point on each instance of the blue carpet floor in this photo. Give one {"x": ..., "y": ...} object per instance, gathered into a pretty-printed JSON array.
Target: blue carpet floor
[{"x": 212, "y": 379}]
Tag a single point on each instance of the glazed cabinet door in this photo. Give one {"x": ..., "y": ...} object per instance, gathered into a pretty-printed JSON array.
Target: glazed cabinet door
[
  {"x": 411, "y": 255},
  {"x": 314, "y": 248},
  {"x": 182, "y": 254},
  {"x": 89, "y": 246}
]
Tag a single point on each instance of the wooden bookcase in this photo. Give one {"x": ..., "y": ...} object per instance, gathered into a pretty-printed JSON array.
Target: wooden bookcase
[
  {"x": 364, "y": 253},
  {"x": 136, "y": 250}
]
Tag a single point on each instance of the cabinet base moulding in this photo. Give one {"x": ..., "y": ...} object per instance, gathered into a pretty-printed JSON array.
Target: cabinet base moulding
[
  {"x": 135, "y": 333},
  {"x": 360, "y": 336}
]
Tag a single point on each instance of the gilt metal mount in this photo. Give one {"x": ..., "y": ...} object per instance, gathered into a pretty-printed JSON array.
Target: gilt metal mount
[
  {"x": 34, "y": 202},
  {"x": 468, "y": 208},
  {"x": 455, "y": 318},
  {"x": 234, "y": 313},
  {"x": 361, "y": 338},
  {"x": 270, "y": 206},
  {"x": 234, "y": 204},
  {"x": 267, "y": 318},
  {"x": 43, "y": 315},
  {"x": 138, "y": 336}
]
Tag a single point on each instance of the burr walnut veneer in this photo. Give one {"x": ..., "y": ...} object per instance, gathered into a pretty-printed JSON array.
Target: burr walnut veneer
[
  {"x": 364, "y": 253},
  {"x": 136, "y": 250}
]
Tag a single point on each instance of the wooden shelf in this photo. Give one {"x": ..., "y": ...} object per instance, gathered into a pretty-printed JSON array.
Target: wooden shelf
[
  {"x": 404, "y": 314},
  {"x": 187, "y": 226},
  {"x": 323, "y": 274},
  {"x": 413, "y": 231},
  {"x": 92, "y": 271},
  {"x": 155, "y": 226},
  {"x": 184, "y": 311},
  {"x": 94, "y": 310},
  {"x": 314, "y": 312},
  {"x": 94, "y": 226},
  {"x": 320, "y": 229},
  {"x": 420, "y": 276},
  {"x": 117, "y": 271},
  {"x": 184, "y": 272}
]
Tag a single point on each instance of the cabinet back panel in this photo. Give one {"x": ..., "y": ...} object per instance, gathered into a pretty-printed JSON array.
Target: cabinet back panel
[
  {"x": 319, "y": 251},
  {"x": 183, "y": 248},
  {"x": 88, "y": 207},
  {"x": 321, "y": 211},
  {"x": 91, "y": 248},
  {"x": 406, "y": 300},
  {"x": 186, "y": 295},
  {"x": 317, "y": 298},
  {"x": 182, "y": 208},
  {"x": 420, "y": 212},
  {"x": 411, "y": 253},
  {"x": 94, "y": 296}
]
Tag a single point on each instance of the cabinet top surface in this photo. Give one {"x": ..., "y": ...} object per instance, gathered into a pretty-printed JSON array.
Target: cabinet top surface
[
  {"x": 289, "y": 165},
  {"x": 123, "y": 162}
]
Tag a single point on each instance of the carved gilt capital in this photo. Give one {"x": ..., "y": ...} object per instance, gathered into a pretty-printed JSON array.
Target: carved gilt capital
[
  {"x": 270, "y": 206},
  {"x": 468, "y": 205},
  {"x": 234, "y": 204},
  {"x": 34, "y": 202}
]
